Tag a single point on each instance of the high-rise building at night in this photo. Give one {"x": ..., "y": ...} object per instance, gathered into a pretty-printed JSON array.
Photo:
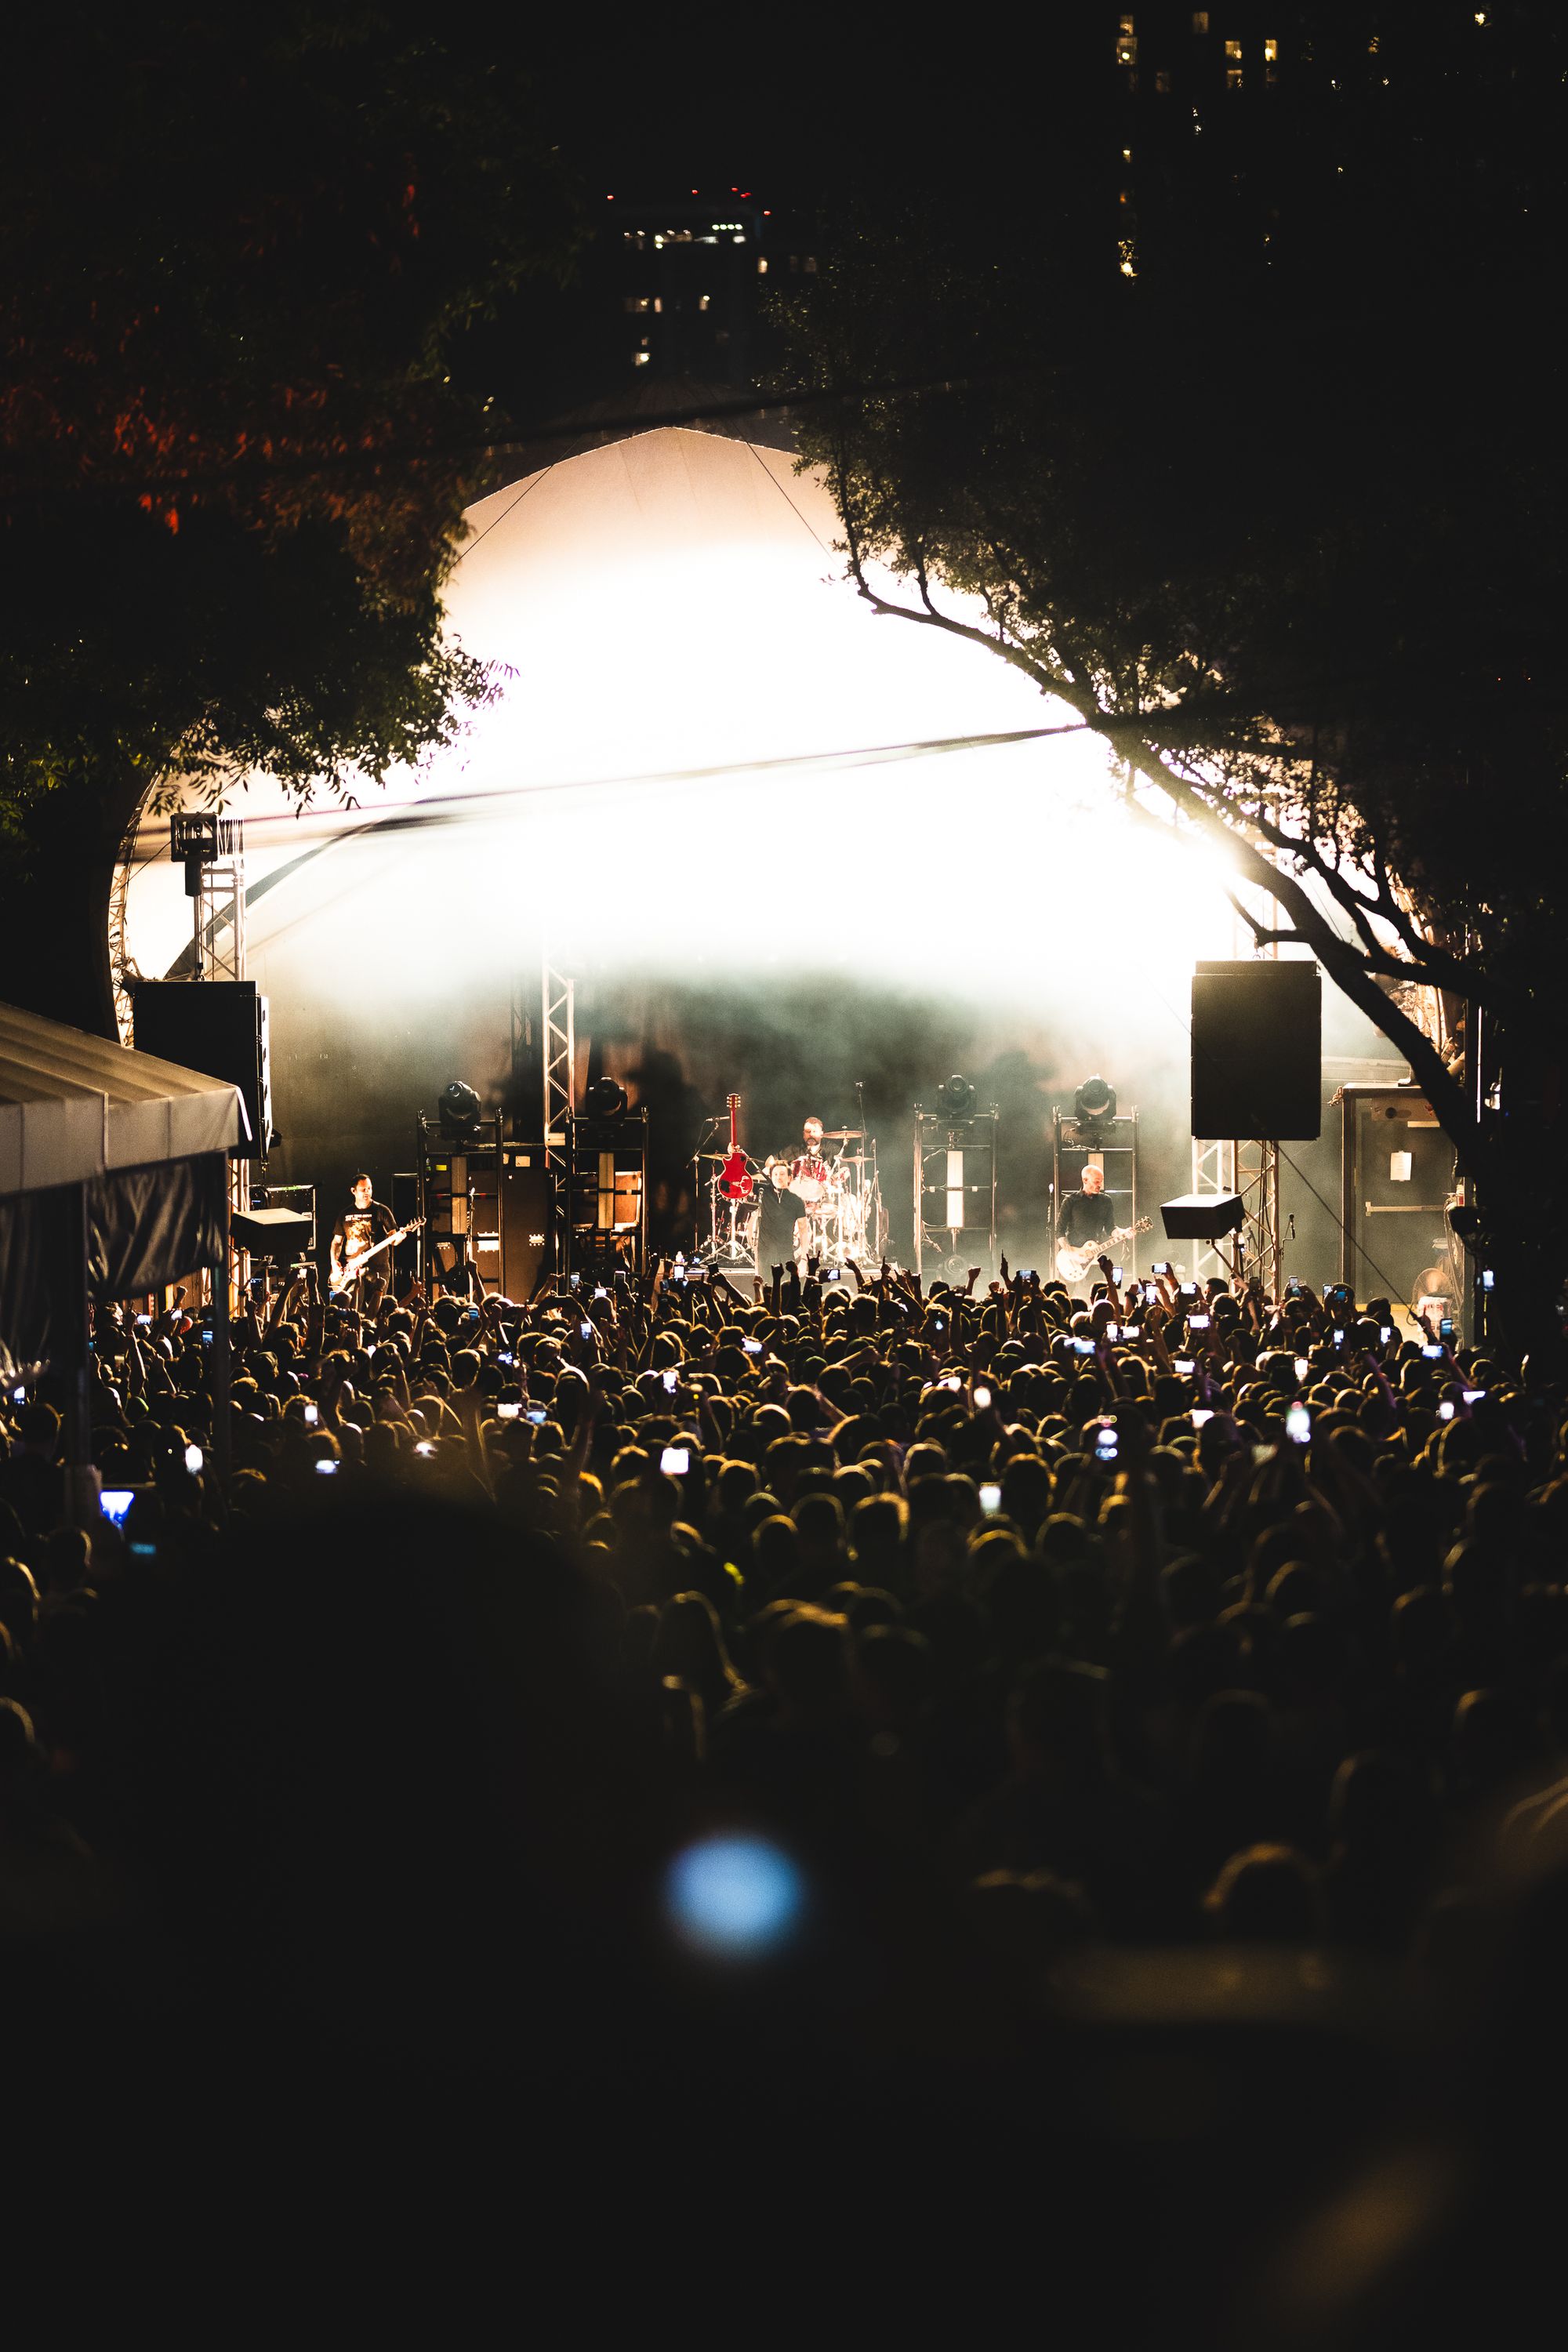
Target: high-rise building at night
[{"x": 682, "y": 282}]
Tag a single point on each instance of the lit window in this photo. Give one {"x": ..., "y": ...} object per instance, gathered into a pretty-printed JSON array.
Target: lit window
[
  {"x": 1128, "y": 260},
  {"x": 703, "y": 300},
  {"x": 659, "y": 302},
  {"x": 809, "y": 264},
  {"x": 1127, "y": 28},
  {"x": 637, "y": 301},
  {"x": 1272, "y": 53},
  {"x": 1234, "y": 76},
  {"x": 1126, "y": 53},
  {"x": 762, "y": 265},
  {"x": 1163, "y": 82},
  {"x": 1233, "y": 49},
  {"x": 1374, "y": 46},
  {"x": 1200, "y": 20},
  {"x": 639, "y": 359}
]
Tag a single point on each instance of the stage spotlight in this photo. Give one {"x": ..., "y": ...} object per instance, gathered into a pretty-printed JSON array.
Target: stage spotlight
[
  {"x": 605, "y": 1099},
  {"x": 460, "y": 1109},
  {"x": 1093, "y": 1106},
  {"x": 955, "y": 1097}
]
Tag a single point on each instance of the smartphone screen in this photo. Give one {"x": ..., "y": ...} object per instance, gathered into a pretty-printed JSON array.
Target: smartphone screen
[
  {"x": 1113, "y": 1331},
  {"x": 601, "y": 1292},
  {"x": 536, "y": 1415},
  {"x": 1186, "y": 1365},
  {"x": 1199, "y": 1322},
  {"x": 1116, "y": 1275},
  {"x": 674, "y": 1461},
  {"x": 990, "y": 1498},
  {"x": 1107, "y": 1445},
  {"x": 508, "y": 1411},
  {"x": 1489, "y": 1279},
  {"x": 1434, "y": 1352},
  {"x": 1446, "y": 1409},
  {"x": 1303, "y": 1366},
  {"x": 115, "y": 1501},
  {"x": 1199, "y": 1414},
  {"x": 1162, "y": 1265},
  {"x": 587, "y": 1330},
  {"x": 1298, "y": 1424},
  {"x": 982, "y": 1400},
  {"x": 1384, "y": 1333},
  {"x": 1474, "y": 1396},
  {"x": 1446, "y": 1328},
  {"x": 312, "y": 1415},
  {"x": 753, "y": 1346},
  {"x": 671, "y": 1381},
  {"x": 1083, "y": 1346}
]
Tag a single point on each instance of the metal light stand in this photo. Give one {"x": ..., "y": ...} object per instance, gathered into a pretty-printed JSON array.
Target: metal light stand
[{"x": 955, "y": 1187}]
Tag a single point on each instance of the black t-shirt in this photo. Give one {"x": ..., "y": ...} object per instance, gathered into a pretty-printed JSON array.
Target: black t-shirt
[
  {"x": 358, "y": 1229},
  {"x": 775, "y": 1229},
  {"x": 1086, "y": 1217}
]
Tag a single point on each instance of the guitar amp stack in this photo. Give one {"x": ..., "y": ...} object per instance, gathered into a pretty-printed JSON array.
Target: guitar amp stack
[{"x": 459, "y": 1189}]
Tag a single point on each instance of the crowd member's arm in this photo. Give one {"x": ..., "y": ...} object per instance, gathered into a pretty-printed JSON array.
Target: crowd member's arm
[
  {"x": 470, "y": 1403},
  {"x": 1154, "y": 1321}
]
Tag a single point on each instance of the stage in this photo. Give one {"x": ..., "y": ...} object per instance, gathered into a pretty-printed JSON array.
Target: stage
[{"x": 783, "y": 849}]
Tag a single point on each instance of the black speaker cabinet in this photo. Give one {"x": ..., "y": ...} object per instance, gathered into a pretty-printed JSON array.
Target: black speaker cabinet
[
  {"x": 215, "y": 1026},
  {"x": 524, "y": 1218},
  {"x": 274, "y": 1233},
  {"x": 1202, "y": 1216},
  {"x": 1258, "y": 1032}
]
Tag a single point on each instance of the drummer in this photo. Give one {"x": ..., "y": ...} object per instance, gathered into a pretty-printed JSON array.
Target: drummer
[{"x": 809, "y": 1174}]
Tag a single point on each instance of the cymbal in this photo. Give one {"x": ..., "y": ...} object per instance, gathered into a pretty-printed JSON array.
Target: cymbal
[{"x": 842, "y": 1134}]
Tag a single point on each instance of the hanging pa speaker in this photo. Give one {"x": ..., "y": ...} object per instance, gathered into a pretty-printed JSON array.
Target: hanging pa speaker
[
  {"x": 1258, "y": 1051},
  {"x": 215, "y": 1026}
]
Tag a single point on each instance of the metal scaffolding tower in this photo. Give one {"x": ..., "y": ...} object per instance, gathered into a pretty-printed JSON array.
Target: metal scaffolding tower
[{"x": 558, "y": 1066}]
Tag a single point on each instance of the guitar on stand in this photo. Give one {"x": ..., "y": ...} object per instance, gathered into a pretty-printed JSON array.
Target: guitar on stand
[
  {"x": 1072, "y": 1265},
  {"x": 732, "y": 1188}
]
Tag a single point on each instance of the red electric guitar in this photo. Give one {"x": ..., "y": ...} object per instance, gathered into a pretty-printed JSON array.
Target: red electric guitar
[{"x": 735, "y": 1177}]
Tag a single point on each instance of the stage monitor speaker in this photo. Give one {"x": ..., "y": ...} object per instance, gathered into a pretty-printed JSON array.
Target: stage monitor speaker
[
  {"x": 1202, "y": 1216},
  {"x": 273, "y": 1232},
  {"x": 524, "y": 1219},
  {"x": 215, "y": 1026},
  {"x": 1258, "y": 1051}
]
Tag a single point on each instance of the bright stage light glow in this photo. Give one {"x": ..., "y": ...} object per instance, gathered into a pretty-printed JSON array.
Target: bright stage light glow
[
  {"x": 734, "y": 1897},
  {"x": 671, "y": 605}
]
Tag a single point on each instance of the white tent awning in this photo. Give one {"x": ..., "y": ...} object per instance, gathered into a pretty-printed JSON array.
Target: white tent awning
[{"x": 73, "y": 1107}]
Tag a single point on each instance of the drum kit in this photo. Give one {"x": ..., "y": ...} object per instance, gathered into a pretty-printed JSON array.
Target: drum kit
[{"x": 845, "y": 1222}]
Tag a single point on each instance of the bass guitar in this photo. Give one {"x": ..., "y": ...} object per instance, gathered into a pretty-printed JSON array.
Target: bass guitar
[
  {"x": 734, "y": 1177},
  {"x": 339, "y": 1280},
  {"x": 1072, "y": 1264}
]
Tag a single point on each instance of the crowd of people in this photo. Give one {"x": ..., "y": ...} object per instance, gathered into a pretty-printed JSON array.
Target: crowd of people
[{"x": 1023, "y": 1664}]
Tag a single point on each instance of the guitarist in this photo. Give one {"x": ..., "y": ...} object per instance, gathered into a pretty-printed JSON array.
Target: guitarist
[
  {"x": 357, "y": 1230},
  {"x": 1087, "y": 1216}
]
